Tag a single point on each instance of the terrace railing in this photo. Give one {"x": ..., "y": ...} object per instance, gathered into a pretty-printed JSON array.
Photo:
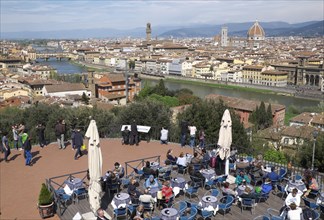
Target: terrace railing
[{"x": 138, "y": 164}]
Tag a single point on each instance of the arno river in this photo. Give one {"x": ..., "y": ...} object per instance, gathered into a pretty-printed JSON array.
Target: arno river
[{"x": 65, "y": 67}]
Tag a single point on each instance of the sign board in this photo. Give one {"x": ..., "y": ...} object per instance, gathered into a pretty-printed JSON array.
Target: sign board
[{"x": 140, "y": 128}]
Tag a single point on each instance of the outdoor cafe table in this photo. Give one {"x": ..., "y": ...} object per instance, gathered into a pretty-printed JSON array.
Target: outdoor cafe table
[
  {"x": 209, "y": 201},
  {"x": 121, "y": 198},
  {"x": 178, "y": 182},
  {"x": 208, "y": 173},
  {"x": 155, "y": 165},
  {"x": 300, "y": 185},
  {"x": 74, "y": 183},
  {"x": 169, "y": 214},
  {"x": 242, "y": 164},
  {"x": 241, "y": 189}
]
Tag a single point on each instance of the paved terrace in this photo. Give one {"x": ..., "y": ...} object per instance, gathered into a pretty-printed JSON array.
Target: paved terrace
[{"x": 20, "y": 185}]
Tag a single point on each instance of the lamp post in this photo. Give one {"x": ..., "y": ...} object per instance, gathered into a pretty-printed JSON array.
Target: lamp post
[{"x": 315, "y": 133}]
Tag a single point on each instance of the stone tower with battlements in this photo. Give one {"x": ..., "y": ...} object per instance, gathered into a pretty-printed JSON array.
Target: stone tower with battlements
[{"x": 148, "y": 32}]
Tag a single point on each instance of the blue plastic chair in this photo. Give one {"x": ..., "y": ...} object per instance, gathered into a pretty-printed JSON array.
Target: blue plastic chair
[
  {"x": 182, "y": 169},
  {"x": 274, "y": 214},
  {"x": 206, "y": 214},
  {"x": 62, "y": 200},
  {"x": 316, "y": 215},
  {"x": 310, "y": 204},
  {"x": 298, "y": 177},
  {"x": 282, "y": 174},
  {"x": 192, "y": 191},
  {"x": 193, "y": 213},
  {"x": 281, "y": 190},
  {"x": 181, "y": 206},
  {"x": 226, "y": 206},
  {"x": 322, "y": 208},
  {"x": 197, "y": 167},
  {"x": 120, "y": 212},
  {"x": 249, "y": 158},
  {"x": 248, "y": 203},
  {"x": 80, "y": 193}
]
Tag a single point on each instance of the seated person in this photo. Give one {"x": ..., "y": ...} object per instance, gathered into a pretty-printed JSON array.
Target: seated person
[
  {"x": 205, "y": 157},
  {"x": 294, "y": 213},
  {"x": 242, "y": 176},
  {"x": 198, "y": 177},
  {"x": 138, "y": 213},
  {"x": 195, "y": 159},
  {"x": 119, "y": 170},
  {"x": 169, "y": 157},
  {"x": 132, "y": 190},
  {"x": 258, "y": 187},
  {"x": 257, "y": 172},
  {"x": 227, "y": 190},
  {"x": 247, "y": 193},
  {"x": 125, "y": 135},
  {"x": 166, "y": 168},
  {"x": 112, "y": 180},
  {"x": 266, "y": 187},
  {"x": 148, "y": 170},
  {"x": 273, "y": 176},
  {"x": 312, "y": 185},
  {"x": 151, "y": 182},
  {"x": 182, "y": 160},
  {"x": 101, "y": 214},
  {"x": 147, "y": 198},
  {"x": 293, "y": 197},
  {"x": 167, "y": 192}
]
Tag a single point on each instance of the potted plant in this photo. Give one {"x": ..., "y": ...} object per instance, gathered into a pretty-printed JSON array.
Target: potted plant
[{"x": 45, "y": 202}]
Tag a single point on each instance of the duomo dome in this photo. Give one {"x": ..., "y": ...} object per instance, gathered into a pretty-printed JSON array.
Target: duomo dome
[{"x": 256, "y": 32}]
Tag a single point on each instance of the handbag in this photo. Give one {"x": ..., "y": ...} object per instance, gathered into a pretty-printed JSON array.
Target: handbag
[{"x": 83, "y": 147}]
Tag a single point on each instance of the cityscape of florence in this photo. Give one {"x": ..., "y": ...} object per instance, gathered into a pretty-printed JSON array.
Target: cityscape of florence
[{"x": 162, "y": 110}]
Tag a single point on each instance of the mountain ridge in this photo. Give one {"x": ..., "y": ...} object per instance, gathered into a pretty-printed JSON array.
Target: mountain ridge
[{"x": 276, "y": 28}]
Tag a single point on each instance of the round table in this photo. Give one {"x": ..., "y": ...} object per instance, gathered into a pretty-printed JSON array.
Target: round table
[
  {"x": 178, "y": 182},
  {"x": 209, "y": 201},
  {"x": 169, "y": 214},
  {"x": 241, "y": 188},
  {"x": 208, "y": 173},
  {"x": 153, "y": 191},
  {"x": 155, "y": 165},
  {"x": 300, "y": 185},
  {"x": 121, "y": 198}
]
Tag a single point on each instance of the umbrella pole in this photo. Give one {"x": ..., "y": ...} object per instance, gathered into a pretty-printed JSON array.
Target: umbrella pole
[{"x": 227, "y": 166}]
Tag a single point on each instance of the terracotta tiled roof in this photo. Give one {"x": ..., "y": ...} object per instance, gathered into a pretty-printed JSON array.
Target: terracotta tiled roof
[
  {"x": 243, "y": 104},
  {"x": 272, "y": 72},
  {"x": 304, "y": 118},
  {"x": 305, "y": 132},
  {"x": 64, "y": 87},
  {"x": 253, "y": 67}
]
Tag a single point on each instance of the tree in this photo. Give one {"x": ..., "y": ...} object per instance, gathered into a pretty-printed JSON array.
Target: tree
[
  {"x": 85, "y": 99},
  {"x": 160, "y": 88},
  {"x": 306, "y": 152},
  {"x": 269, "y": 120}
]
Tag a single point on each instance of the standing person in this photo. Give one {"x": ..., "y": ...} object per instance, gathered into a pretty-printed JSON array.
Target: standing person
[
  {"x": 41, "y": 134},
  {"x": 20, "y": 130},
  {"x": 15, "y": 136},
  {"x": 202, "y": 138},
  {"x": 134, "y": 134},
  {"x": 59, "y": 132},
  {"x": 27, "y": 148},
  {"x": 164, "y": 136},
  {"x": 24, "y": 137},
  {"x": 125, "y": 135},
  {"x": 78, "y": 143},
  {"x": 192, "y": 131},
  {"x": 5, "y": 145},
  {"x": 184, "y": 129}
]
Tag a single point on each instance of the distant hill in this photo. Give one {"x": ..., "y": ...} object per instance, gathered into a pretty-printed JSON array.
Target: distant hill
[
  {"x": 312, "y": 28},
  {"x": 309, "y": 29}
]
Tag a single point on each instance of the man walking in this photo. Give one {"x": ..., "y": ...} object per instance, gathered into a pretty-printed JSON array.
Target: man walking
[
  {"x": 59, "y": 133},
  {"x": 41, "y": 134},
  {"x": 15, "y": 136},
  {"x": 192, "y": 130},
  {"x": 5, "y": 145},
  {"x": 164, "y": 136},
  {"x": 78, "y": 141},
  {"x": 28, "y": 147}
]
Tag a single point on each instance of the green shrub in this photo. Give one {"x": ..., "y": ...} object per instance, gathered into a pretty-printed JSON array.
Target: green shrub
[{"x": 45, "y": 196}]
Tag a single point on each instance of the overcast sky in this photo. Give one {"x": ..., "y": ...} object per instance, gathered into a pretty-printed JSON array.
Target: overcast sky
[{"x": 45, "y": 15}]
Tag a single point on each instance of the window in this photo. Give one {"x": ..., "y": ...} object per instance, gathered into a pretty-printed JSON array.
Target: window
[{"x": 286, "y": 140}]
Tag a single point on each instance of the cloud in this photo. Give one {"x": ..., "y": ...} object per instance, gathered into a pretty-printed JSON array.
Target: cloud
[{"x": 75, "y": 14}]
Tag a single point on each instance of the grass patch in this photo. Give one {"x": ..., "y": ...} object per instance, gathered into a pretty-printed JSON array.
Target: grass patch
[
  {"x": 221, "y": 86},
  {"x": 288, "y": 116}
]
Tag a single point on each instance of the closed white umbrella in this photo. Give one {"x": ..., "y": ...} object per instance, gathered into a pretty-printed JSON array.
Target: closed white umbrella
[
  {"x": 95, "y": 166},
  {"x": 225, "y": 138}
]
